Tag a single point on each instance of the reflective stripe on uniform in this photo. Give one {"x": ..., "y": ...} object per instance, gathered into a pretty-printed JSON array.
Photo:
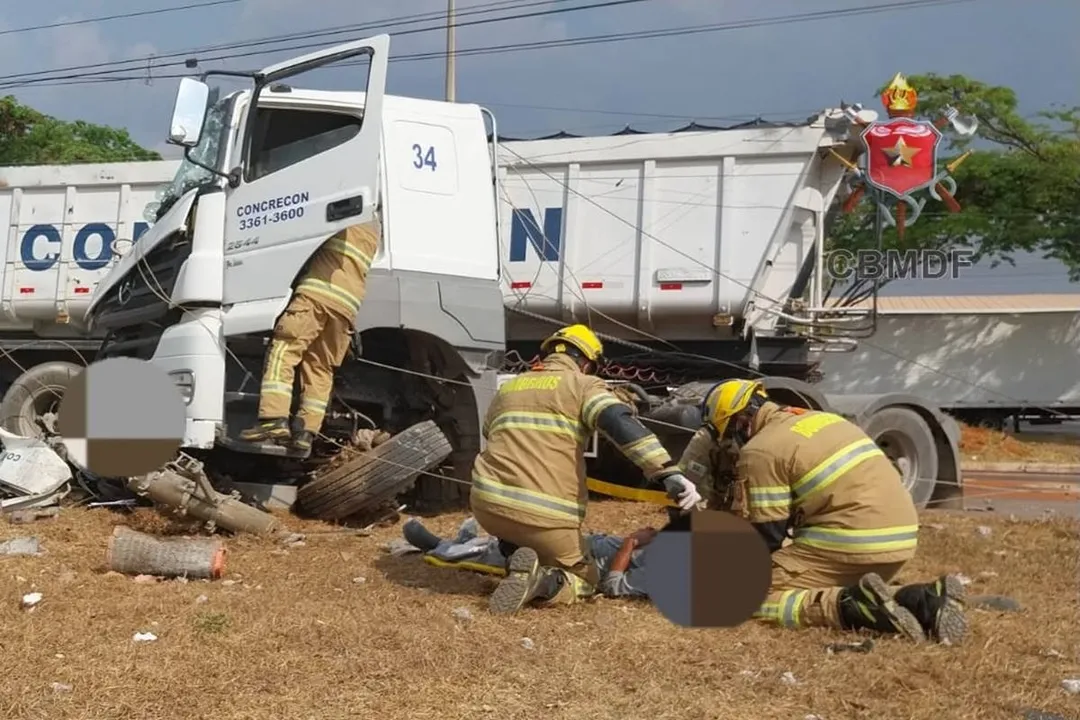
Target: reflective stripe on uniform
[
  {"x": 539, "y": 421},
  {"x": 833, "y": 467},
  {"x": 645, "y": 450},
  {"x": 879, "y": 540},
  {"x": 272, "y": 387},
  {"x": 742, "y": 394},
  {"x": 595, "y": 405},
  {"x": 339, "y": 246},
  {"x": 786, "y": 611},
  {"x": 496, "y": 493},
  {"x": 314, "y": 404},
  {"x": 321, "y": 288},
  {"x": 769, "y": 497}
]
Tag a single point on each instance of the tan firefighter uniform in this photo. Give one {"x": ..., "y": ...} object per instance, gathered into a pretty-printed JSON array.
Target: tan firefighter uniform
[
  {"x": 834, "y": 512},
  {"x": 528, "y": 484},
  {"x": 315, "y": 332}
]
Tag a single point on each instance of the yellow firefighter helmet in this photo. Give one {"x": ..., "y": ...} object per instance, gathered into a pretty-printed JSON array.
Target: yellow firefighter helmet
[
  {"x": 727, "y": 399},
  {"x": 577, "y": 336}
]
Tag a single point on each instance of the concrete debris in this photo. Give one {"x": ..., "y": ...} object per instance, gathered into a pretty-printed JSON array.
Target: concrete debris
[
  {"x": 21, "y": 517},
  {"x": 986, "y": 575},
  {"x": 860, "y": 647},
  {"x": 202, "y": 599},
  {"x": 999, "y": 603},
  {"x": 1071, "y": 686},
  {"x": 31, "y": 600},
  {"x": 984, "y": 530},
  {"x": 145, "y": 579},
  {"x": 788, "y": 678},
  {"x": 61, "y": 688},
  {"x": 527, "y": 643},
  {"x": 294, "y": 540},
  {"x": 21, "y": 546},
  {"x": 461, "y": 613},
  {"x": 135, "y": 553},
  {"x": 359, "y": 580},
  {"x": 1051, "y": 653},
  {"x": 143, "y": 637}
]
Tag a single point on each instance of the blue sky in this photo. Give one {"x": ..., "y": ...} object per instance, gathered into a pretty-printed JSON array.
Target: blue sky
[{"x": 784, "y": 71}]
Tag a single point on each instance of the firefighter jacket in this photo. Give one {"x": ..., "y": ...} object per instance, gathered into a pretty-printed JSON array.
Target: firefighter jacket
[
  {"x": 336, "y": 276},
  {"x": 711, "y": 468},
  {"x": 532, "y": 469},
  {"x": 823, "y": 478}
]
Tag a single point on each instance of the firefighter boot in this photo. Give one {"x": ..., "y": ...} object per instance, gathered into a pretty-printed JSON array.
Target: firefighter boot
[
  {"x": 938, "y": 606},
  {"x": 267, "y": 430},
  {"x": 525, "y": 581},
  {"x": 869, "y": 605},
  {"x": 301, "y": 441}
]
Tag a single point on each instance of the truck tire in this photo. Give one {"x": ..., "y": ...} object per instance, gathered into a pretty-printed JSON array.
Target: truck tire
[
  {"x": 374, "y": 477},
  {"x": 34, "y": 393},
  {"x": 909, "y": 442}
]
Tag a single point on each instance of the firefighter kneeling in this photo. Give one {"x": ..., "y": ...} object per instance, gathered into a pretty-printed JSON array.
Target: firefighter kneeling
[
  {"x": 853, "y": 524},
  {"x": 528, "y": 484}
]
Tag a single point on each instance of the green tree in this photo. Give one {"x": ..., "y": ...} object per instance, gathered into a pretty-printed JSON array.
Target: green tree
[
  {"x": 28, "y": 137},
  {"x": 1019, "y": 190}
]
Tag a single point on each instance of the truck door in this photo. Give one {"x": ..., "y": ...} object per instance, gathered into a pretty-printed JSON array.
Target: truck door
[{"x": 309, "y": 170}]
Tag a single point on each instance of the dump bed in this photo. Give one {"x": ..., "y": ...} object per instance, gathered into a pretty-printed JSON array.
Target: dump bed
[
  {"x": 662, "y": 232},
  {"x": 62, "y": 226}
]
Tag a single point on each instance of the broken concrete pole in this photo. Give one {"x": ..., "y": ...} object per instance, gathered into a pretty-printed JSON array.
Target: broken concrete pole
[
  {"x": 194, "y": 497},
  {"x": 136, "y": 553}
]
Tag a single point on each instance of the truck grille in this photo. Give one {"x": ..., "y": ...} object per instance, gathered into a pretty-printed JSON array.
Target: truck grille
[{"x": 142, "y": 297}]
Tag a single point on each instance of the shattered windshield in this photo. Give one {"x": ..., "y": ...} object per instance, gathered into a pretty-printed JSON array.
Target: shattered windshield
[{"x": 207, "y": 152}]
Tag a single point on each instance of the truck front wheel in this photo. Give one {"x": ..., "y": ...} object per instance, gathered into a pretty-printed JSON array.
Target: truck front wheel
[{"x": 33, "y": 400}]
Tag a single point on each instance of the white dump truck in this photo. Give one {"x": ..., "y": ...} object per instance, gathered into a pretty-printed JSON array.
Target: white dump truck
[{"x": 696, "y": 254}]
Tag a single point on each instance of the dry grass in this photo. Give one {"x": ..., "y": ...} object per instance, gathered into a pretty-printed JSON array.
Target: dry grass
[
  {"x": 983, "y": 445},
  {"x": 293, "y": 636}
]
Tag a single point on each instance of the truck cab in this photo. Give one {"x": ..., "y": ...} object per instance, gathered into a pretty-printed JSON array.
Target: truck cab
[{"x": 271, "y": 173}]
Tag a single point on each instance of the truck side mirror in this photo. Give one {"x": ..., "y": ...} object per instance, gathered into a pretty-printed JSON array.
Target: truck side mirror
[{"x": 189, "y": 112}]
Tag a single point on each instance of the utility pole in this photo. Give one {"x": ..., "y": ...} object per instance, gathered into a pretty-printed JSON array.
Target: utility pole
[{"x": 451, "y": 60}]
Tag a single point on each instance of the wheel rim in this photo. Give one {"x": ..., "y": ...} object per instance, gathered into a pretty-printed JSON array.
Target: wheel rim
[
  {"x": 45, "y": 406},
  {"x": 900, "y": 449}
]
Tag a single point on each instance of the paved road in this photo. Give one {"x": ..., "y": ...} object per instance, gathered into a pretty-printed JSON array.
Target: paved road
[{"x": 1023, "y": 494}]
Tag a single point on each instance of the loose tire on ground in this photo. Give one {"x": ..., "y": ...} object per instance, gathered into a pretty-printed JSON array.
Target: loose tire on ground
[
  {"x": 36, "y": 391},
  {"x": 376, "y": 476},
  {"x": 903, "y": 434}
]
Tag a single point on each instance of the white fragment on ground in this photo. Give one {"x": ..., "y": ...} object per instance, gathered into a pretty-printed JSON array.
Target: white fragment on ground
[
  {"x": 181, "y": 579},
  {"x": 527, "y": 643},
  {"x": 1071, "y": 686},
  {"x": 141, "y": 637},
  {"x": 359, "y": 580},
  {"x": 813, "y": 717},
  {"x": 788, "y": 679},
  {"x": 1001, "y": 553},
  {"x": 145, "y": 579},
  {"x": 935, "y": 526},
  {"x": 1051, "y": 653},
  {"x": 229, "y": 582},
  {"x": 201, "y": 599},
  {"x": 30, "y": 600},
  {"x": 986, "y": 575},
  {"x": 294, "y": 540},
  {"x": 984, "y": 530},
  {"x": 963, "y": 579},
  {"x": 21, "y": 546},
  {"x": 61, "y": 687},
  {"x": 461, "y": 613}
]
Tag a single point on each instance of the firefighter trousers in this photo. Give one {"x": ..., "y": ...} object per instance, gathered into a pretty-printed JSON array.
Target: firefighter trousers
[
  {"x": 315, "y": 338},
  {"x": 806, "y": 587},
  {"x": 562, "y": 550}
]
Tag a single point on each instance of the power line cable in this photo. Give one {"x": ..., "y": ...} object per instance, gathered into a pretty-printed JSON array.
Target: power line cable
[
  {"x": 80, "y": 78},
  {"x": 120, "y": 16},
  {"x": 100, "y": 69}
]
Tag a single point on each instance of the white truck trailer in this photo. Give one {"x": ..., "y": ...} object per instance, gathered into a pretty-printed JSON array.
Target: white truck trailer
[{"x": 691, "y": 252}]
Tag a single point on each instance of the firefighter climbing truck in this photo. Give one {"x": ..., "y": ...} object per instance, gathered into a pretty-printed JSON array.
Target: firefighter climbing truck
[{"x": 692, "y": 253}]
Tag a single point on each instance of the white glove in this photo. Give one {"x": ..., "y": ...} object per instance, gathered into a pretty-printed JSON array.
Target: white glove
[{"x": 682, "y": 491}]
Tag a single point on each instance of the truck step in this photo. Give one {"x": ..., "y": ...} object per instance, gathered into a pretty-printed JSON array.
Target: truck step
[{"x": 267, "y": 448}]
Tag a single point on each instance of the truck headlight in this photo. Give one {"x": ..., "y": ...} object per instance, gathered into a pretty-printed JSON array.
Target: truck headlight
[{"x": 185, "y": 383}]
